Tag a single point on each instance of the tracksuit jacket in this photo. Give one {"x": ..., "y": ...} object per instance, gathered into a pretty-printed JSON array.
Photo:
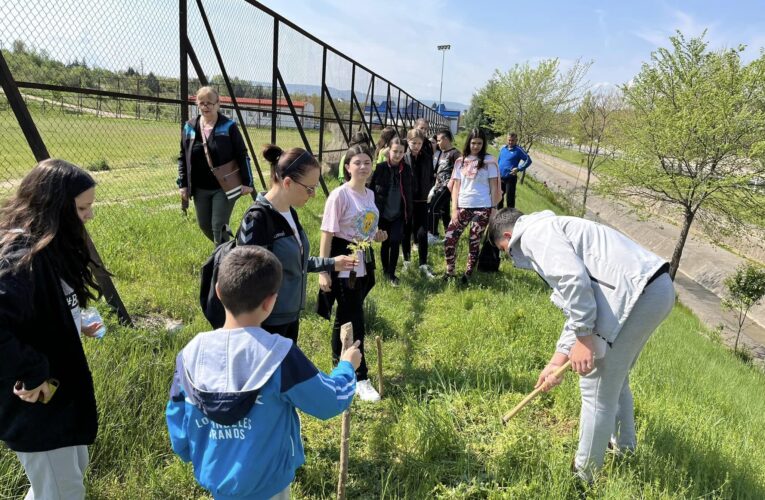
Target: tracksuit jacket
[
  {"x": 597, "y": 274},
  {"x": 232, "y": 409}
]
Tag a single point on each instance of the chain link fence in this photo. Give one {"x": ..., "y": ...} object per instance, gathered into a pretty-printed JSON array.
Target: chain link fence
[{"x": 108, "y": 85}]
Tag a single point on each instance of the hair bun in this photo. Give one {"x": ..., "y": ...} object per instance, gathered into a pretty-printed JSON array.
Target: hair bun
[{"x": 272, "y": 152}]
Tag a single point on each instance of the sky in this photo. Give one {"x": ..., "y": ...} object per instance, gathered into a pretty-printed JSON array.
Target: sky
[
  {"x": 395, "y": 38},
  {"x": 398, "y": 38}
]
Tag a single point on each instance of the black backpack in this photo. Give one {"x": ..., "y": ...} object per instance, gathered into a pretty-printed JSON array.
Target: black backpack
[
  {"x": 208, "y": 299},
  {"x": 488, "y": 258}
]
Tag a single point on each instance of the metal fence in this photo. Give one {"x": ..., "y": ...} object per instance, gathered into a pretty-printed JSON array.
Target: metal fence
[{"x": 107, "y": 85}]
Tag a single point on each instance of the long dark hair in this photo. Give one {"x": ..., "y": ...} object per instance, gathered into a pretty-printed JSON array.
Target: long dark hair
[
  {"x": 386, "y": 135},
  {"x": 476, "y": 133},
  {"x": 42, "y": 216},
  {"x": 353, "y": 151}
]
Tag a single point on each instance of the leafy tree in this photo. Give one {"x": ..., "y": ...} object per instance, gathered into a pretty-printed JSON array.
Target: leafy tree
[
  {"x": 527, "y": 99},
  {"x": 693, "y": 137},
  {"x": 746, "y": 288},
  {"x": 593, "y": 126},
  {"x": 476, "y": 116}
]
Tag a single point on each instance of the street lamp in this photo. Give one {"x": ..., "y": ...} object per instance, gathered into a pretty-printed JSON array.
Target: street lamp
[{"x": 443, "y": 49}]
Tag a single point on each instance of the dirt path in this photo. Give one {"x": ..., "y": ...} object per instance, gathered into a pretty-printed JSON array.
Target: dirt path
[{"x": 704, "y": 266}]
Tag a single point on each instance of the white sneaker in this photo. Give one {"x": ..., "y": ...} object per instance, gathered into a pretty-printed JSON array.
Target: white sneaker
[
  {"x": 425, "y": 271},
  {"x": 407, "y": 263},
  {"x": 366, "y": 391}
]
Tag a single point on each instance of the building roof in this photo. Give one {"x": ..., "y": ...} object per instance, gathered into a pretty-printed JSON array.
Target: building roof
[{"x": 251, "y": 101}]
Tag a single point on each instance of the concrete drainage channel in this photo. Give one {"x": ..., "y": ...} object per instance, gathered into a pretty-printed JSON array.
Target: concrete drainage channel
[{"x": 703, "y": 267}]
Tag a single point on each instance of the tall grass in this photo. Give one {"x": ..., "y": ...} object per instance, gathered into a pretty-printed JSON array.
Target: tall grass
[{"x": 455, "y": 360}]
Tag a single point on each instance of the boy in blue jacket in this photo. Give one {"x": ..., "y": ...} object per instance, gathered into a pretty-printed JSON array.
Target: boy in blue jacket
[{"x": 232, "y": 403}]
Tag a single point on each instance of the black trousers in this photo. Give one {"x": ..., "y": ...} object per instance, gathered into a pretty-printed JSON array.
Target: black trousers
[
  {"x": 438, "y": 208},
  {"x": 287, "y": 330},
  {"x": 390, "y": 247},
  {"x": 419, "y": 230},
  {"x": 350, "y": 309},
  {"x": 508, "y": 189}
]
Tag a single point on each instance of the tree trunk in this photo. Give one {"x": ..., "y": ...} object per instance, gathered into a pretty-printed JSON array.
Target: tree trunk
[
  {"x": 678, "y": 252},
  {"x": 584, "y": 195}
]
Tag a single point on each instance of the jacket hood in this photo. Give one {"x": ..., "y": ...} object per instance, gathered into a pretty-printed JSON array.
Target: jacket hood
[
  {"x": 223, "y": 370},
  {"x": 523, "y": 223}
]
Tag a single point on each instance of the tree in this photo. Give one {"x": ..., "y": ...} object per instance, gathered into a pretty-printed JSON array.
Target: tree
[
  {"x": 693, "y": 136},
  {"x": 592, "y": 127},
  {"x": 152, "y": 83},
  {"x": 476, "y": 116},
  {"x": 527, "y": 99},
  {"x": 746, "y": 288}
]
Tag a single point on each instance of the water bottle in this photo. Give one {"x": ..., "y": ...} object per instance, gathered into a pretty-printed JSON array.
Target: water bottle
[{"x": 90, "y": 316}]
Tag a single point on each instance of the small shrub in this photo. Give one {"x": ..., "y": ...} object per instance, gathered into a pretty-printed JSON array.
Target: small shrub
[{"x": 100, "y": 165}]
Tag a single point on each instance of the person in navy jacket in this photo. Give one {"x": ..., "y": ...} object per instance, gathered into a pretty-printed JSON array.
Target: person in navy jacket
[
  {"x": 510, "y": 158},
  {"x": 232, "y": 403}
]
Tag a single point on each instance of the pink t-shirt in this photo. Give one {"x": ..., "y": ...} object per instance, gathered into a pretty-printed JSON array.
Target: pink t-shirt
[{"x": 351, "y": 216}]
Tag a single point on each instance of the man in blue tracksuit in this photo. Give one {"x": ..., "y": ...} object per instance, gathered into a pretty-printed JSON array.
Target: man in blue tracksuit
[
  {"x": 233, "y": 398},
  {"x": 510, "y": 158}
]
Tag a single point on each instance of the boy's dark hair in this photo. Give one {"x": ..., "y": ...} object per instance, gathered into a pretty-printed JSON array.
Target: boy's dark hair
[
  {"x": 246, "y": 277},
  {"x": 503, "y": 221},
  {"x": 445, "y": 131}
]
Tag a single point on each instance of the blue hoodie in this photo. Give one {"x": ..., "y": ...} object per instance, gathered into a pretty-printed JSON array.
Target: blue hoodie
[{"x": 232, "y": 409}]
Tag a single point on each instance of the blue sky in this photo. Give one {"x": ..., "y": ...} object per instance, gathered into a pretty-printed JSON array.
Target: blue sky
[
  {"x": 395, "y": 38},
  {"x": 398, "y": 38}
]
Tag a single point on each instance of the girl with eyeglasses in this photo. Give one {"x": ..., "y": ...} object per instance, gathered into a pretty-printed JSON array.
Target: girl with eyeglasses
[{"x": 272, "y": 222}]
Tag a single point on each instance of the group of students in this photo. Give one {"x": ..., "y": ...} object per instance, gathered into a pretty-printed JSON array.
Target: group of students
[{"x": 235, "y": 390}]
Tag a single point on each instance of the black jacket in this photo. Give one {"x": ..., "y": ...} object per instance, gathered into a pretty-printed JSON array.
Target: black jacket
[
  {"x": 225, "y": 144},
  {"x": 38, "y": 341},
  {"x": 380, "y": 184},
  {"x": 422, "y": 172}
]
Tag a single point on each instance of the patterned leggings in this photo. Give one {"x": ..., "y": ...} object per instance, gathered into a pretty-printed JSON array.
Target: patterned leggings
[{"x": 480, "y": 219}]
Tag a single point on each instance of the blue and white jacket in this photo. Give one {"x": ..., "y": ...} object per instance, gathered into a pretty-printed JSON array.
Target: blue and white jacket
[{"x": 232, "y": 409}]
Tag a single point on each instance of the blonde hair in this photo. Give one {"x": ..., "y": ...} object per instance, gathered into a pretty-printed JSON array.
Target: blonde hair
[
  {"x": 416, "y": 133},
  {"x": 207, "y": 90}
]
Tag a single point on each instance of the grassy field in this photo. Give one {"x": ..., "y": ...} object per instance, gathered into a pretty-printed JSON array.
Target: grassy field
[
  {"x": 455, "y": 360},
  {"x": 140, "y": 154}
]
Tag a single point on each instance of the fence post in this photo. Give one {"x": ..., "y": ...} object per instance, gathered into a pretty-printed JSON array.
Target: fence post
[
  {"x": 274, "y": 72},
  {"x": 183, "y": 90},
  {"x": 321, "y": 106},
  {"x": 350, "y": 104}
]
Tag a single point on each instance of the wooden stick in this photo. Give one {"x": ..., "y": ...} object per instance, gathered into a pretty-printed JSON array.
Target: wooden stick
[
  {"x": 378, "y": 341},
  {"x": 557, "y": 373},
  {"x": 346, "y": 337}
]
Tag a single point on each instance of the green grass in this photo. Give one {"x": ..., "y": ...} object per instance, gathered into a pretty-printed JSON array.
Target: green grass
[
  {"x": 141, "y": 154},
  {"x": 455, "y": 360}
]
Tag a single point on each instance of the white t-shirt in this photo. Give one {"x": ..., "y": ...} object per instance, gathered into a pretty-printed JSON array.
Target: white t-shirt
[
  {"x": 475, "y": 191},
  {"x": 73, "y": 303},
  {"x": 291, "y": 221},
  {"x": 352, "y": 216}
]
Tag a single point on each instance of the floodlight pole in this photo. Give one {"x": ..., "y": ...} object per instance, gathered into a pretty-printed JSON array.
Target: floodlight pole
[{"x": 443, "y": 49}]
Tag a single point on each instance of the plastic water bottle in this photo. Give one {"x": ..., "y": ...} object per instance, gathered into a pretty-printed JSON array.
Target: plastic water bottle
[{"x": 90, "y": 316}]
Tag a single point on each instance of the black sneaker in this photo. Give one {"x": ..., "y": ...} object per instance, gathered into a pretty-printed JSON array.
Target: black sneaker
[{"x": 464, "y": 279}]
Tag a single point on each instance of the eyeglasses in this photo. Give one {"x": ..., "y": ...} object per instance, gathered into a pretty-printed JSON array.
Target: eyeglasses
[
  {"x": 311, "y": 190},
  {"x": 206, "y": 104}
]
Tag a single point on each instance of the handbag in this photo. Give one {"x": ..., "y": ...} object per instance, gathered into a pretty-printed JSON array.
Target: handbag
[{"x": 228, "y": 176}]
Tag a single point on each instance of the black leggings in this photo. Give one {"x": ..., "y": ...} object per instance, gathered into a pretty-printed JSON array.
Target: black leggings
[
  {"x": 350, "y": 308},
  {"x": 389, "y": 247},
  {"x": 439, "y": 208},
  {"x": 419, "y": 230}
]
